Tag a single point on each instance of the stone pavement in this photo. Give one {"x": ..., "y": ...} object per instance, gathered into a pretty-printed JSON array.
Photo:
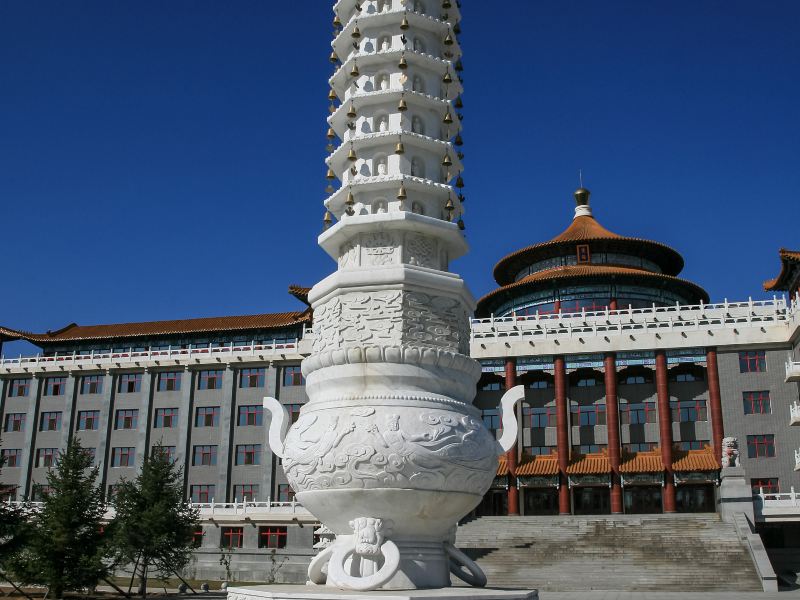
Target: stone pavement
[{"x": 609, "y": 595}]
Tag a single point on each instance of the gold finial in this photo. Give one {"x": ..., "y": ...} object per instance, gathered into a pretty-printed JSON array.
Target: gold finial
[{"x": 582, "y": 196}]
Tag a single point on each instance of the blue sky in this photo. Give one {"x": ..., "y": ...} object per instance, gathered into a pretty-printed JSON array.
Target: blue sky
[{"x": 165, "y": 159}]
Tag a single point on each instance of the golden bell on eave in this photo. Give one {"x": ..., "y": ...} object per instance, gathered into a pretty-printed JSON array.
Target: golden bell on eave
[
  {"x": 447, "y": 78},
  {"x": 351, "y": 112},
  {"x": 327, "y": 219},
  {"x": 404, "y": 24},
  {"x": 446, "y": 161},
  {"x": 337, "y": 22},
  {"x": 448, "y": 118},
  {"x": 461, "y": 225},
  {"x": 459, "y": 141},
  {"x": 330, "y": 174},
  {"x": 331, "y": 133},
  {"x": 446, "y": 4},
  {"x": 459, "y": 103},
  {"x": 449, "y": 205},
  {"x": 351, "y": 156},
  {"x": 401, "y": 193},
  {"x": 403, "y": 64},
  {"x": 356, "y": 33},
  {"x": 402, "y": 105},
  {"x": 399, "y": 149},
  {"x": 354, "y": 72},
  {"x": 329, "y": 189},
  {"x": 332, "y": 95},
  {"x": 351, "y": 200},
  {"x": 448, "y": 40},
  {"x": 334, "y": 58},
  {"x": 460, "y": 182}
]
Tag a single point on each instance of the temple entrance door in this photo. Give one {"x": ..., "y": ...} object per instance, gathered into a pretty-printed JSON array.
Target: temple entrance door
[
  {"x": 494, "y": 504},
  {"x": 591, "y": 500},
  {"x": 540, "y": 501},
  {"x": 643, "y": 499},
  {"x": 695, "y": 498}
]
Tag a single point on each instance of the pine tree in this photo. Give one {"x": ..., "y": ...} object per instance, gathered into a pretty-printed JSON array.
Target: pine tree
[
  {"x": 66, "y": 548},
  {"x": 154, "y": 526},
  {"x": 12, "y": 531}
]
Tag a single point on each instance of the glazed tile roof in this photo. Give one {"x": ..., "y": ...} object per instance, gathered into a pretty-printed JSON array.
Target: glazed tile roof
[
  {"x": 300, "y": 292},
  {"x": 530, "y": 466},
  {"x": 642, "y": 462},
  {"x": 695, "y": 460},
  {"x": 584, "y": 228},
  {"x": 589, "y": 464},
  {"x": 789, "y": 262}
]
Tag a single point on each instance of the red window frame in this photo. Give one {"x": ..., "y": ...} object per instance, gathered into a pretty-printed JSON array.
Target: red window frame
[
  {"x": 202, "y": 493},
  {"x": 770, "y": 485},
  {"x": 528, "y": 412},
  {"x": 20, "y": 388},
  {"x": 649, "y": 410},
  {"x": 210, "y": 380},
  {"x": 123, "y": 456},
  {"x": 206, "y": 416},
  {"x": 639, "y": 447},
  {"x": 250, "y": 414},
  {"x": 285, "y": 492},
  {"x": 756, "y": 402},
  {"x": 294, "y": 411},
  {"x": 50, "y": 421},
  {"x": 92, "y": 384},
  {"x": 248, "y": 454},
  {"x": 55, "y": 386},
  {"x": 87, "y": 418},
  {"x": 578, "y": 410},
  {"x": 761, "y": 446},
  {"x": 197, "y": 537},
  {"x": 252, "y": 378},
  {"x": 246, "y": 492},
  {"x": 271, "y": 536},
  {"x": 129, "y": 383},
  {"x": 46, "y": 457},
  {"x": 752, "y": 361},
  {"x": 14, "y": 422},
  {"x": 126, "y": 418},
  {"x": 232, "y": 537},
  {"x": 540, "y": 450},
  {"x": 169, "y": 381},
  {"x": 204, "y": 456},
  {"x": 682, "y": 410},
  {"x": 166, "y": 418},
  {"x": 11, "y": 457},
  {"x": 169, "y": 451},
  {"x": 293, "y": 376}
]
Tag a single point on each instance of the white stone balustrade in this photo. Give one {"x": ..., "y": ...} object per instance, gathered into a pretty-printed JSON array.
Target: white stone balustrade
[
  {"x": 792, "y": 370},
  {"x": 794, "y": 414},
  {"x": 778, "y": 506}
]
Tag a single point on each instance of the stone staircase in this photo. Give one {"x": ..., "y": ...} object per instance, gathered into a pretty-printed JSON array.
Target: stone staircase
[{"x": 626, "y": 553}]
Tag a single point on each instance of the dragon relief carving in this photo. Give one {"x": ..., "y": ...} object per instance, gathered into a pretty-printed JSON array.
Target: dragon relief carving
[{"x": 428, "y": 450}]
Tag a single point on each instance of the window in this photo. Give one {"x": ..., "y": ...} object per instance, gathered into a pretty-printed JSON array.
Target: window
[
  {"x": 169, "y": 381},
  {"x": 637, "y": 414},
  {"x": 587, "y": 416},
  {"x": 292, "y": 376},
  {"x": 538, "y": 417},
  {"x": 246, "y": 492},
  {"x": 588, "y": 448},
  {"x": 491, "y": 419},
  {"x": 55, "y": 386},
  {"x": 88, "y": 420},
  {"x": 90, "y": 452},
  {"x": 687, "y": 374},
  {"x": 168, "y": 451},
  {"x": 752, "y": 361},
  {"x": 46, "y": 457},
  {"x": 126, "y": 418},
  {"x": 204, "y": 456},
  {"x": 635, "y": 380},
  {"x": 123, "y": 457},
  {"x": 640, "y": 447},
  {"x": 206, "y": 416},
  {"x": 761, "y": 446},
  {"x": 251, "y": 415},
  {"x": 252, "y": 378},
  {"x": 166, "y": 418},
  {"x": 14, "y": 422},
  {"x": 587, "y": 382},
  {"x": 232, "y": 537},
  {"x": 685, "y": 445},
  {"x": 688, "y": 411},
  {"x": 202, "y": 493},
  {"x": 540, "y": 450},
  {"x": 197, "y": 537},
  {"x": 491, "y": 386},
  {"x": 92, "y": 384},
  {"x": 285, "y": 492},
  {"x": 769, "y": 485},
  {"x": 294, "y": 411},
  {"x": 129, "y": 383},
  {"x": 20, "y": 387},
  {"x": 757, "y": 403},
  {"x": 248, "y": 454},
  {"x": 271, "y": 537},
  {"x": 11, "y": 457},
  {"x": 210, "y": 380},
  {"x": 539, "y": 384},
  {"x": 50, "y": 421}
]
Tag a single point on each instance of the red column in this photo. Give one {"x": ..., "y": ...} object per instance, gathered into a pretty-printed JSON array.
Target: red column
[
  {"x": 557, "y": 305},
  {"x": 665, "y": 429},
  {"x": 511, "y": 455},
  {"x": 715, "y": 401},
  {"x": 612, "y": 426},
  {"x": 562, "y": 434},
  {"x": 612, "y": 305}
]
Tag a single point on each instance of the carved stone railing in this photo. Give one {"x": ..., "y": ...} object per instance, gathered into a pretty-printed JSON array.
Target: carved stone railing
[
  {"x": 779, "y": 506},
  {"x": 792, "y": 370},
  {"x": 794, "y": 413}
]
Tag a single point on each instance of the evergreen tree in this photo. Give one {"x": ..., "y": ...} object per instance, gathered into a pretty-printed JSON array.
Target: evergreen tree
[
  {"x": 12, "y": 530},
  {"x": 66, "y": 546},
  {"x": 154, "y": 526}
]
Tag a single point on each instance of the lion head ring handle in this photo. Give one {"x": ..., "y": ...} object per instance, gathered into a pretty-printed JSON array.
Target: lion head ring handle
[{"x": 369, "y": 544}]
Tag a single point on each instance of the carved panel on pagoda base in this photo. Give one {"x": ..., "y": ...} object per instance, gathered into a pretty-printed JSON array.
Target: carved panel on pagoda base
[
  {"x": 384, "y": 248},
  {"x": 392, "y": 318}
]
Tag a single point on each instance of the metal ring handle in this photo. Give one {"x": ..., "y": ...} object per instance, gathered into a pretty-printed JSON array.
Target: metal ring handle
[
  {"x": 338, "y": 577},
  {"x": 459, "y": 561}
]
